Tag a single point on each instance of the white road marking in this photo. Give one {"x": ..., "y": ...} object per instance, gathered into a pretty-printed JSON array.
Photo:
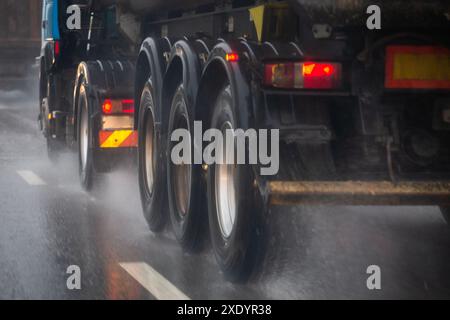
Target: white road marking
[
  {"x": 154, "y": 282},
  {"x": 31, "y": 178}
]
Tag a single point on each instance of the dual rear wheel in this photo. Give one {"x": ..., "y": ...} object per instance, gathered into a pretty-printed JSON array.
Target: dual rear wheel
[
  {"x": 224, "y": 195},
  {"x": 184, "y": 178},
  {"x": 151, "y": 164},
  {"x": 234, "y": 204},
  {"x": 160, "y": 180},
  {"x": 85, "y": 150}
]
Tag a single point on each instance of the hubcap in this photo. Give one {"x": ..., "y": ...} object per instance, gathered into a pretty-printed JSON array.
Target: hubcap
[
  {"x": 225, "y": 190},
  {"x": 181, "y": 174},
  {"x": 149, "y": 151},
  {"x": 84, "y": 134}
]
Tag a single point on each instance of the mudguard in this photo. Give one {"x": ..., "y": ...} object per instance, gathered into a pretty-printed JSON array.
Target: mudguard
[
  {"x": 186, "y": 52},
  {"x": 237, "y": 75},
  {"x": 150, "y": 67},
  {"x": 102, "y": 78}
]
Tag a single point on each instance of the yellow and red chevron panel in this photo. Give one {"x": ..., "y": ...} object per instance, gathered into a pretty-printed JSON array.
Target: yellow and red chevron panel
[{"x": 118, "y": 139}]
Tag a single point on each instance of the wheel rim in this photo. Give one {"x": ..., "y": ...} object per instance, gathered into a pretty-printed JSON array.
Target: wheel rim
[
  {"x": 225, "y": 191},
  {"x": 84, "y": 134},
  {"x": 181, "y": 174},
  {"x": 149, "y": 151}
]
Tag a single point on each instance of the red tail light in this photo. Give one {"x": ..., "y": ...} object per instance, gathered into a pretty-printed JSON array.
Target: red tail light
[
  {"x": 110, "y": 106},
  {"x": 303, "y": 75},
  {"x": 128, "y": 106},
  {"x": 320, "y": 75},
  {"x": 107, "y": 106},
  {"x": 57, "y": 48}
]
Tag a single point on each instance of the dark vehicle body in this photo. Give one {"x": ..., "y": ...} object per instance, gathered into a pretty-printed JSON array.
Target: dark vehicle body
[
  {"x": 363, "y": 114},
  {"x": 110, "y": 137}
]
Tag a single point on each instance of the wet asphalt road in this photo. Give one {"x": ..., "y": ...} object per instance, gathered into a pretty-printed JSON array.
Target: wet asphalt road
[{"x": 314, "y": 252}]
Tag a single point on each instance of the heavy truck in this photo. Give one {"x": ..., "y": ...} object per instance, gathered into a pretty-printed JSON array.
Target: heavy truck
[{"x": 363, "y": 112}]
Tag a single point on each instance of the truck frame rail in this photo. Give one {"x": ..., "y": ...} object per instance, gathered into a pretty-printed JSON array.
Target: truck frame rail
[{"x": 359, "y": 193}]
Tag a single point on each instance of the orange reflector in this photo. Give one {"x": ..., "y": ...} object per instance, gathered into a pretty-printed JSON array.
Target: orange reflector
[
  {"x": 232, "y": 57},
  {"x": 118, "y": 139},
  {"x": 308, "y": 68}
]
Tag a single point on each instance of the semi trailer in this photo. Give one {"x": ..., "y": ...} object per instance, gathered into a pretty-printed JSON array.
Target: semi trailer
[{"x": 363, "y": 114}]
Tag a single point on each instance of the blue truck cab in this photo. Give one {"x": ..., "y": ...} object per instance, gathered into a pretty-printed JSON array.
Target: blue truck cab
[{"x": 50, "y": 46}]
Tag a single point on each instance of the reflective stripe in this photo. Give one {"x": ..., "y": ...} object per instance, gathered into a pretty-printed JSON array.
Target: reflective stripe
[
  {"x": 417, "y": 67},
  {"x": 117, "y": 139}
]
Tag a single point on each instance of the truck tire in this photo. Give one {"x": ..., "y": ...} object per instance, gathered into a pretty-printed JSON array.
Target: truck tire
[
  {"x": 184, "y": 181},
  {"x": 234, "y": 205},
  {"x": 446, "y": 214},
  {"x": 85, "y": 150},
  {"x": 151, "y": 163}
]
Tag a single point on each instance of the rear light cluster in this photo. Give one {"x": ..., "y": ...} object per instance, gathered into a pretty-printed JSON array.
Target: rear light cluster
[
  {"x": 125, "y": 106},
  {"x": 303, "y": 75}
]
